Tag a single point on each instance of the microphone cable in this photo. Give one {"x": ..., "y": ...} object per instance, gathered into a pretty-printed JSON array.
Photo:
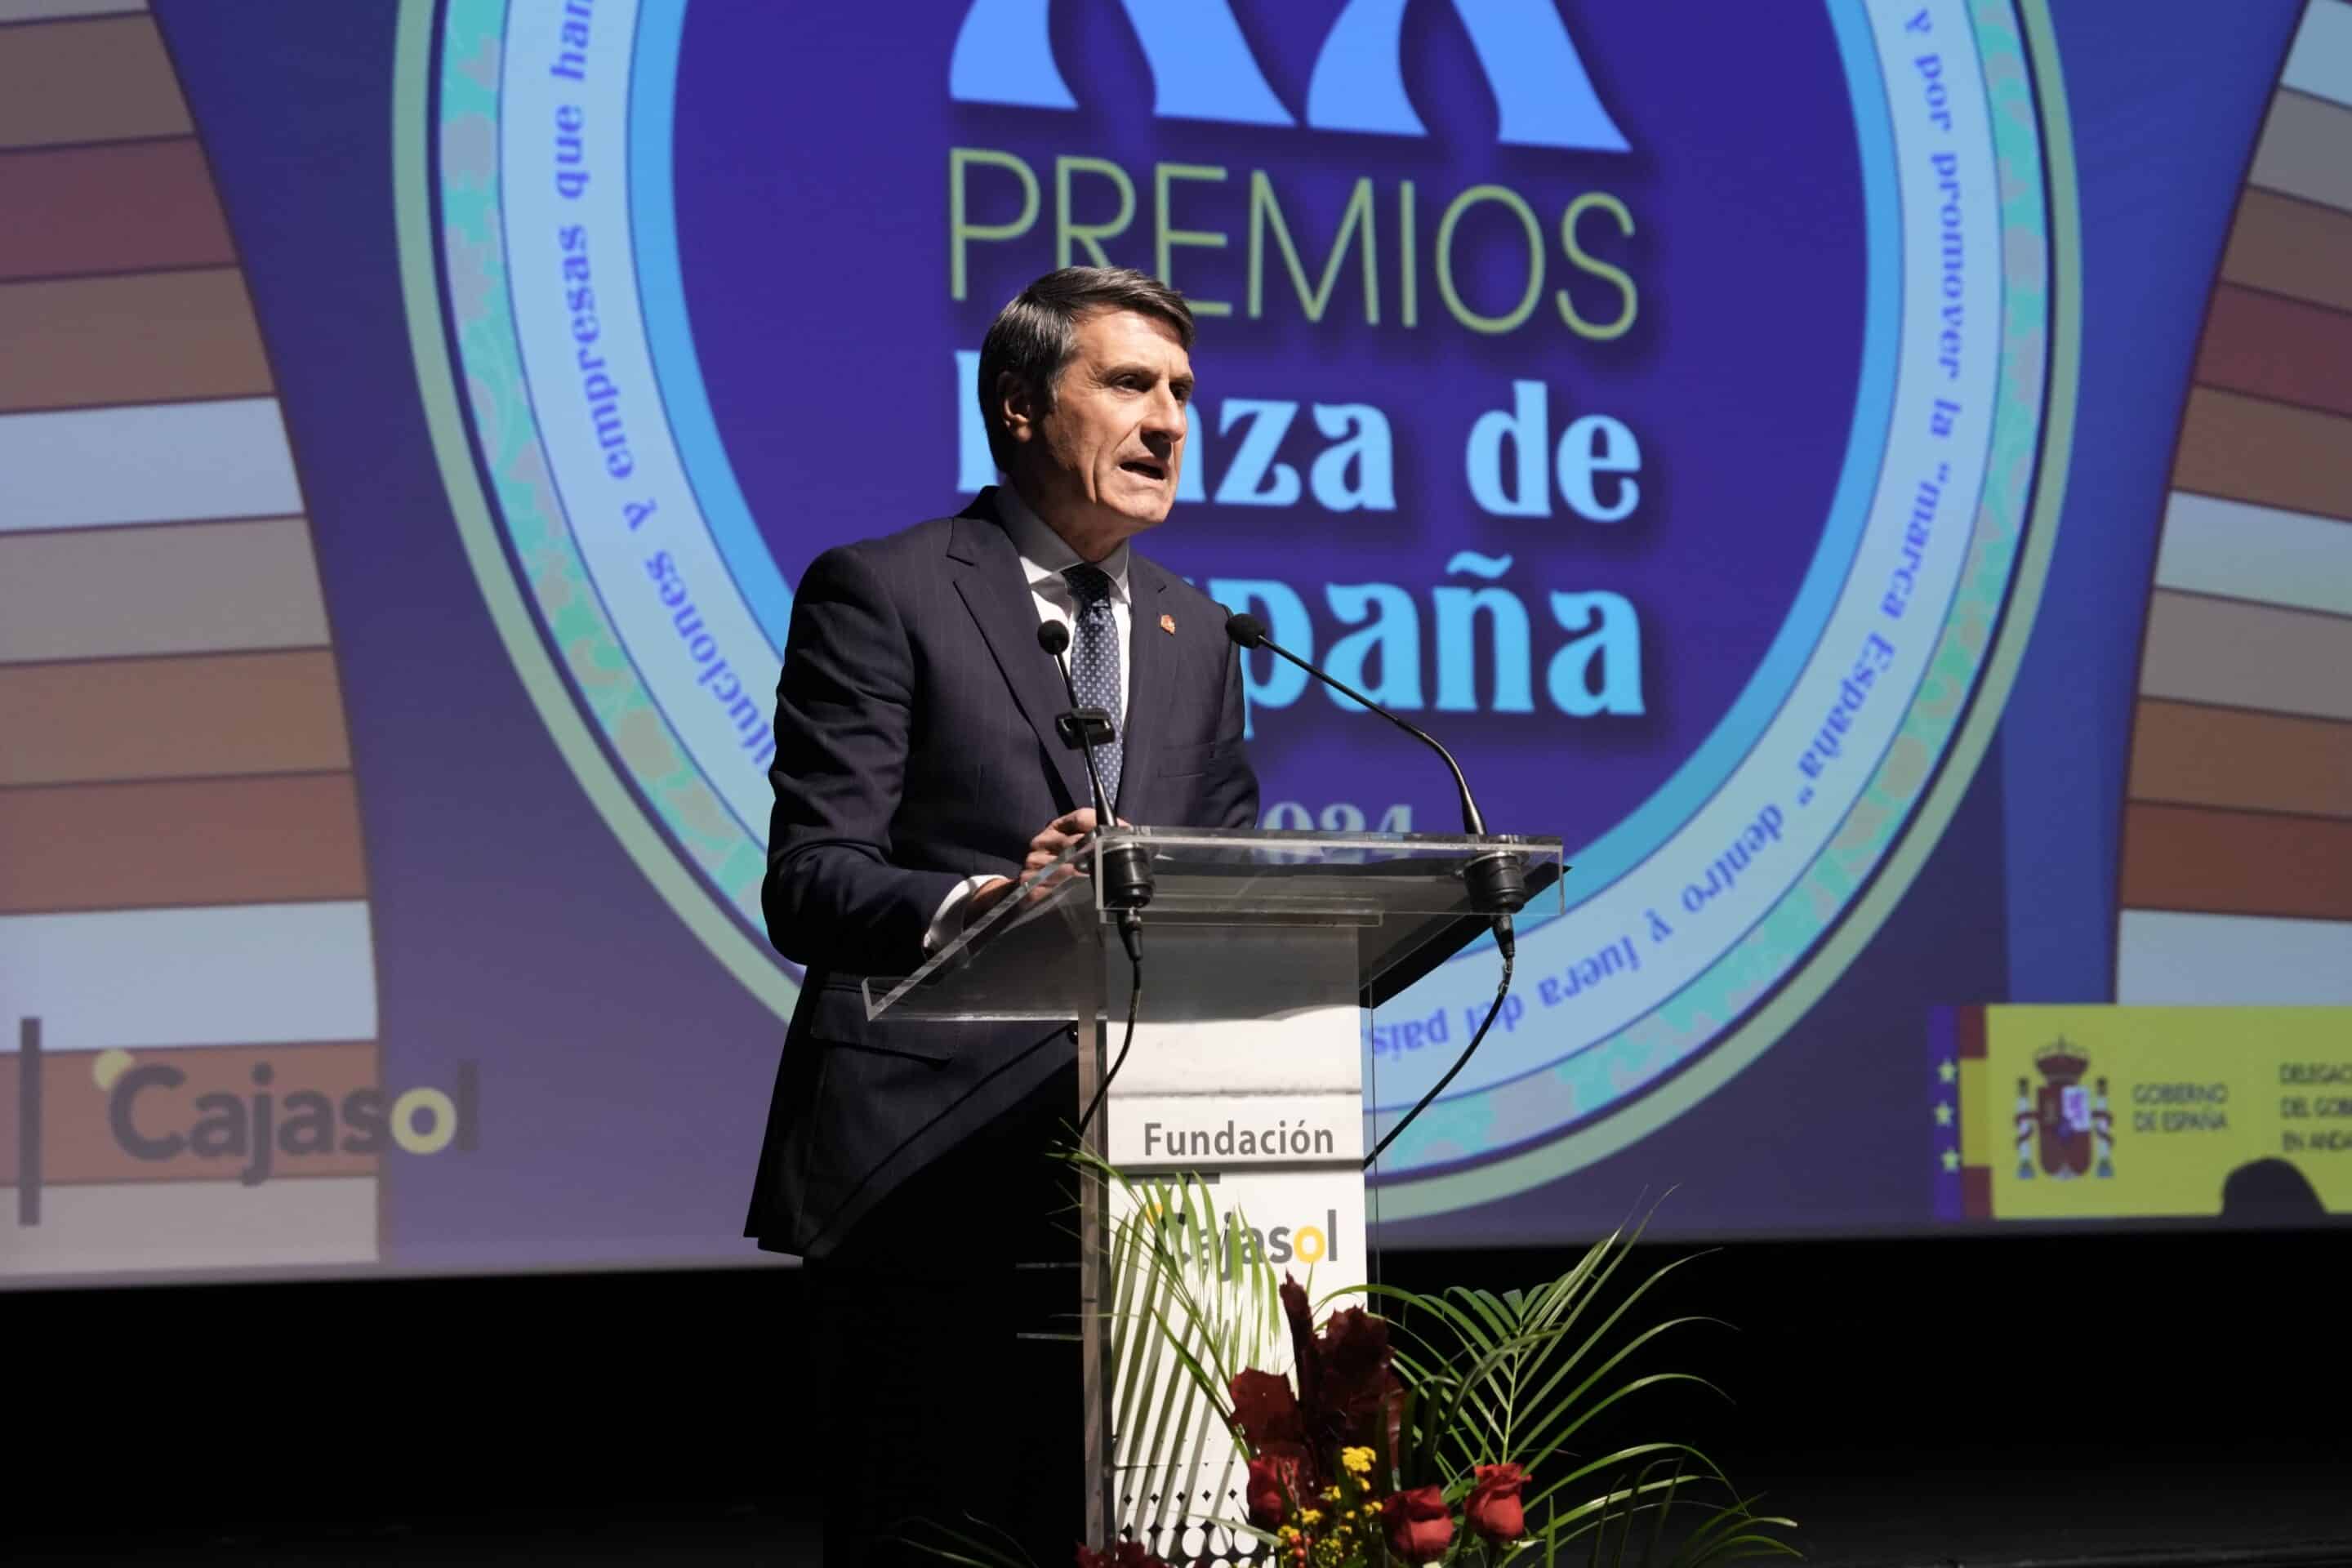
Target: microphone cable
[
  {"x": 1508, "y": 943},
  {"x": 1130, "y": 933}
]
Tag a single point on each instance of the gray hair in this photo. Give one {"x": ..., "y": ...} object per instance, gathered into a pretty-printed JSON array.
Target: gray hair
[{"x": 1035, "y": 335}]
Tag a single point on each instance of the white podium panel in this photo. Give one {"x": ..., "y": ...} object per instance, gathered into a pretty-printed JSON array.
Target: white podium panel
[{"x": 1265, "y": 1110}]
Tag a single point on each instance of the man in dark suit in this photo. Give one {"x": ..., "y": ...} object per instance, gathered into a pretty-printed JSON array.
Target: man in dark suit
[{"x": 917, "y": 772}]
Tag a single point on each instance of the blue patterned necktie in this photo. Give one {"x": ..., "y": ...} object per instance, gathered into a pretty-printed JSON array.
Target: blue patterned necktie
[{"x": 1094, "y": 666}]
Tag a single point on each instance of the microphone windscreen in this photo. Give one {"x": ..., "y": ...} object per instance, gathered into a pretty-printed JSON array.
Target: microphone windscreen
[
  {"x": 1246, "y": 630},
  {"x": 1052, "y": 637}
]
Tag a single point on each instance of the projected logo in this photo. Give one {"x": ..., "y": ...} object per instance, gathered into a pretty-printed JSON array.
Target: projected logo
[
  {"x": 2076, "y": 1112},
  {"x": 2066, "y": 1116},
  {"x": 1202, "y": 68},
  {"x": 1659, "y": 415},
  {"x": 199, "y": 1110}
]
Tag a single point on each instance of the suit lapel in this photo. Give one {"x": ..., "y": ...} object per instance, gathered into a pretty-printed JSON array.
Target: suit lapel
[
  {"x": 989, "y": 577},
  {"x": 1152, "y": 666}
]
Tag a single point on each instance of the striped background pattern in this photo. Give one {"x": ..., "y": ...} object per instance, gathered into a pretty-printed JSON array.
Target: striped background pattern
[
  {"x": 2236, "y": 880},
  {"x": 181, "y": 869}
]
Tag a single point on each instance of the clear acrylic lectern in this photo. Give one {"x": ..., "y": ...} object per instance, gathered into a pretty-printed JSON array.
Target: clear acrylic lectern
[{"x": 1264, "y": 955}]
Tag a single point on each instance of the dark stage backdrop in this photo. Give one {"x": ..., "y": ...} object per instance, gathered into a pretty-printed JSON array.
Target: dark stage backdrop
[{"x": 1876, "y": 478}]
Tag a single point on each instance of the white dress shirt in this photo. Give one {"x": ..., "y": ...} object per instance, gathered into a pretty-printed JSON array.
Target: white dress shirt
[{"x": 1045, "y": 555}]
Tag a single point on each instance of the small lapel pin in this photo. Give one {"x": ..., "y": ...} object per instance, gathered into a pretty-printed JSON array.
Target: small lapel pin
[{"x": 1168, "y": 625}]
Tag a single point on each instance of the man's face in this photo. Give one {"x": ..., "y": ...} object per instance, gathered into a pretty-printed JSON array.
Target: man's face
[{"x": 1103, "y": 461}]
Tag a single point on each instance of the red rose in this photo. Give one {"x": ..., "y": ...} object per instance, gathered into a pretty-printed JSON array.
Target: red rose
[
  {"x": 1418, "y": 1525},
  {"x": 1491, "y": 1507},
  {"x": 1276, "y": 1478}
]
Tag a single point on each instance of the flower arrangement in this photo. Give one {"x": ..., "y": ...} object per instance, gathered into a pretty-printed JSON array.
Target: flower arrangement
[
  {"x": 1315, "y": 1469},
  {"x": 1437, "y": 1430},
  {"x": 1342, "y": 1474}
]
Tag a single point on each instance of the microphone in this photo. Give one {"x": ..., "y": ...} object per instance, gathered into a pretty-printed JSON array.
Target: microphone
[
  {"x": 1127, "y": 866},
  {"x": 1497, "y": 878}
]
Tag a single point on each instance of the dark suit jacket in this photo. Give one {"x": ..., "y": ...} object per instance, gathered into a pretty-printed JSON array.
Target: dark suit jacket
[{"x": 915, "y": 746}]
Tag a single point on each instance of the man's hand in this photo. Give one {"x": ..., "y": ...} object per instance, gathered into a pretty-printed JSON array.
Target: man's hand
[{"x": 1043, "y": 849}]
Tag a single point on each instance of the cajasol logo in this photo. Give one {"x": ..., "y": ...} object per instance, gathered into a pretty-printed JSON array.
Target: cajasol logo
[
  {"x": 165, "y": 1109},
  {"x": 1202, "y": 68},
  {"x": 1228, "y": 1241}
]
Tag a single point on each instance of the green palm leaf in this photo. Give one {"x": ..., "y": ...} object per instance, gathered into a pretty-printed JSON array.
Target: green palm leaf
[
  {"x": 1514, "y": 1377},
  {"x": 1188, "y": 1308}
]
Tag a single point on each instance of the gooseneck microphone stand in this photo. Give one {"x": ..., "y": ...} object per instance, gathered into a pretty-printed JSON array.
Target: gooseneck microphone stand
[{"x": 1497, "y": 880}]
